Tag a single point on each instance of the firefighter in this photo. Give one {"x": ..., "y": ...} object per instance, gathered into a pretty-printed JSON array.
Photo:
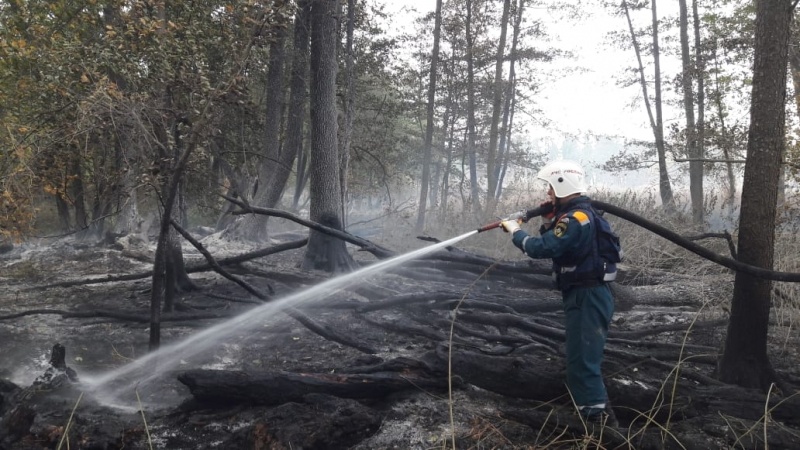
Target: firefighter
[{"x": 568, "y": 236}]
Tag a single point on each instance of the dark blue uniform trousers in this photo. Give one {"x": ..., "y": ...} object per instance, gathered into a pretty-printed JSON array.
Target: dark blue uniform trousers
[{"x": 588, "y": 313}]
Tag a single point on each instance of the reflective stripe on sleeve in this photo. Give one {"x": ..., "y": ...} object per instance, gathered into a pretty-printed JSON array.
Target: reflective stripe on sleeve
[{"x": 524, "y": 241}]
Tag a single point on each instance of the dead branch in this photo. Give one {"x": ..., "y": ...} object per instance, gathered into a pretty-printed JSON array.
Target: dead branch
[
  {"x": 725, "y": 235},
  {"x": 329, "y": 333},
  {"x": 213, "y": 263},
  {"x": 376, "y": 250}
]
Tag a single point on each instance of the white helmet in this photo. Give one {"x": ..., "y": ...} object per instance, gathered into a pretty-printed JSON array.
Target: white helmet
[{"x": 566, "y": 177}]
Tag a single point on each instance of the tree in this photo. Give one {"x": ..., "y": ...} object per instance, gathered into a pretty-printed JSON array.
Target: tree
[
  {"x": 657, "y": 121},
  {"x": 723, "y": 133},
  {"x": 471, "y": 132},
  {"x": 700, "y": 128},
  {"x": 276, "y": 159},
  {"x": 349, "y": 104},
  {"x": 497, "y": 100},
  {"x": 744, "y": 360},
  {"x": 39, "y": 43},
  {"x": 504, "y": 146},
  {"x": 324, "y": 252},
  {"x": 429, "y": 120},
  {"x": 296, "y": 120},
  {"x": 448, "y": 130},
  {"x": 692, "y": 139},
  {"x": 193, "y": 109}
]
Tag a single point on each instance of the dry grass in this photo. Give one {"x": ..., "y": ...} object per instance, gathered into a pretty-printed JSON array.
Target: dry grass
[{"x": 65, "y": 436}]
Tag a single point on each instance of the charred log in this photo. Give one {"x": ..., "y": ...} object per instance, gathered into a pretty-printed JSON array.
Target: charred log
[{"x": 275, "y": 388}]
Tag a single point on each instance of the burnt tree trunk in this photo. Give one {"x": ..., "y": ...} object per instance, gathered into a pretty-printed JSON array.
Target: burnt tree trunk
[
  {"x": 324, "y": 253},
  {"x": 745, "y": 361}
]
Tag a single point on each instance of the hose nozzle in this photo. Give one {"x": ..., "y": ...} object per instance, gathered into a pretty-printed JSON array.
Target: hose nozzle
[{"x": 523, "y": 216}]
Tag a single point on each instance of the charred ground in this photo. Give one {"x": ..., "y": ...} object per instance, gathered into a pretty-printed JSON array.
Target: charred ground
[{"x": 375, "y": 366}]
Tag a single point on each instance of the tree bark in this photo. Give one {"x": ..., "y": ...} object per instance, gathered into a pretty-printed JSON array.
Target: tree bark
[
  {"x": 349, "y": 105},
  {"x": 324, "y": 253},
  {"x": 745, "y": 361}
]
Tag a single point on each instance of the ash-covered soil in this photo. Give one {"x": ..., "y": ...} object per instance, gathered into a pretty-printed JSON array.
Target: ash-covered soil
[{"x": 161, "y": 412}]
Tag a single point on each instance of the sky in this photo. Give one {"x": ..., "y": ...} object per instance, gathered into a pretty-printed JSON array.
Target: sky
[{"x": 587, "y": 101}]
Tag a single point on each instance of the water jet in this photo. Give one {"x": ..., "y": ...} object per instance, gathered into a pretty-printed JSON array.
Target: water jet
[{"x": 119, "y": 387}]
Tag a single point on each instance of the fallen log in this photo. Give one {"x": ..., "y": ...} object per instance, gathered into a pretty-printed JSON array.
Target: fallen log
[{"x": 275, "y": 388}]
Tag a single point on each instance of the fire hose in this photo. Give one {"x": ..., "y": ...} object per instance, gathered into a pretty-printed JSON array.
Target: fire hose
[{"x": 733, "y": 264}]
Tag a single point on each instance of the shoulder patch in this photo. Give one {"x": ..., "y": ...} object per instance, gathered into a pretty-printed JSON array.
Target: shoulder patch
[
  {"x": 561, "y": 228},
  {"x": 581, "y": 217}
]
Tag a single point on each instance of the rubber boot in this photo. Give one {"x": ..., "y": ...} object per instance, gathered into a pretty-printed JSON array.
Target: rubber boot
[{"x": 600, "y": 416}]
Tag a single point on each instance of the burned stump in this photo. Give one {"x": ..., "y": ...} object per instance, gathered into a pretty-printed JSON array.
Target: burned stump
[{"x": 19, "y": 407}]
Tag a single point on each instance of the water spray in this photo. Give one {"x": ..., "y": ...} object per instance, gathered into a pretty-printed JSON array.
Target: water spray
[
  {"x": 522, "y": 216},
  {"x": 114, "y": 388}
]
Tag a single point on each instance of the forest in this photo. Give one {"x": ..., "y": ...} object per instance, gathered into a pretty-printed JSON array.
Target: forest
[{"x": 173, "y": 173}]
